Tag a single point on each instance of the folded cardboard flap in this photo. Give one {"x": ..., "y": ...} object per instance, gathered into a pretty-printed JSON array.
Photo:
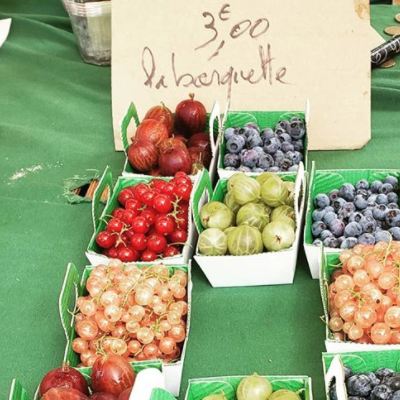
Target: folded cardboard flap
[
  {"x": 254, "y": 55},
  {"x": 17, "y": 392},
  {"x": 335, "y": 374}
]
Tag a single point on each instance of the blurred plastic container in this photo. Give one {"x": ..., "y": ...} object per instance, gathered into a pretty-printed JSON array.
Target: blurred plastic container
[{"x": 91, "y": 23}]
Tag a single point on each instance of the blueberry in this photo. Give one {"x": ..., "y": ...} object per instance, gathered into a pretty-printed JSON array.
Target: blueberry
[
  {"x": 271, "y": 146},
  {"x": 325, "y": 234},
  {"x": 331, "y": 242},
  {"x": 341, "y": 239},
  {"x": 229, "y": 133},
  {"x": 297, "y": 157},
  {"x": 249, "y": 158},
  {"x": 362, "y": 184},
  {"x": 296, "y": 119},
  {"x": 235, "y": 144},
  {"x": 373, "y": 379},
  {"x": 329, "y": 209},
  {"x": 296, "y": 129},
  {"x": 231, "y": 160},
  {"x": 375, "y": 186},
  {"x": 355, "y": 217},
  {"x": 393, "y": 206},
  {"x": 249, "y": 131},
  {"x": 346, "y": 211},
  {"x": 332, "y": 392},
  {"x": 265, "y": 161},
  {"x": 259, "y": 150},
  {"x": 230, "y": 169},
  {"x": 283, "y": 124},
  {"x": 368, "y": 224},
  {"x": 396, "y": 395},
  {"x": 243, "y": 168},
  {"x": 317, "y": 242},
  {"x": 329, "y": 217},
  {"x": 348, "y": 243},
  {"x": 366, "y": 238},
  {"x": 353, "y": 229},
  {"x": 321, "y": 200},
  {"x": 393, "y": 181},
  {"x": 337, "y": 227},
  {"x": 279, "y": 131},
  {"x": 358, "y": 385},
  {"x": 381, "y": 392},
  {"x": 286, "y": 146},
  {"x": 348, "y": 372},
  {"x": 386, "y": 188},
  {"x": 384, "y": 373},
  {"x": 293, "y": 168},
  {"x": 338, "y": 204},
  {"x": 382, "y": 236},
  {"x": 355, "y": 398},
  {"x": 273, "y": 169},
  {"x": 367, "y": 212},
  {"x": 267, "y": 134},
  {"x": 318, "y": 214},
  {"x": 360, "y": 202},
  {"x": 395, "y": 232},
  {"x": 253, "y": 140},
  {"x": 285, "y": 137},
  {"x": 279, "y": 154},
  {"x": 285, "y": 163},
  {"x": 379, "y": 212},
  {"x": 393, "y": 382},
  {"x": 298, "y": 145},
  {"x": 392, "y": 218},
  {"x": 372, "y": 200},
  {"x": 317, "y": 227},
  {"x": 364, "y": 193},
  {"x": 381, "y": 199},
  {"x": 252, "y": 125},
  {"x": 258, "y": 170},
  {"x": 392, "y": 197},
  {"x": 347, "y": 192},
  {"x": 333, "y": 195}
]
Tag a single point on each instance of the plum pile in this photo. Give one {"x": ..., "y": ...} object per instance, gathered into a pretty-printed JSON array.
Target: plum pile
[
  {"x": 383, "y": 384},
  {"x": 275, "y": 150},
  {"x": 363, "y": 213}
]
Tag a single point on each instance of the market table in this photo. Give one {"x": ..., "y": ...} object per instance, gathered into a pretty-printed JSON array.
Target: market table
[{"x": 55, "y": 123}]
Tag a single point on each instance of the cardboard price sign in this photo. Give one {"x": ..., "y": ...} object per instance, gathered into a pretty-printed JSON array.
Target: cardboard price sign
[{"x": 253, "y": 55}]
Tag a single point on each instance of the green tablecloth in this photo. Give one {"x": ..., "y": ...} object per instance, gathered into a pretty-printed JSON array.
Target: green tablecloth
[{"x": 55, "y": 122}]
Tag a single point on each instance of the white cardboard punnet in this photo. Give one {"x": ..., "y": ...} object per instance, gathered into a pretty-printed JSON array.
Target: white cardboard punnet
[
  {"x": 226, "y": 174},
  {"x": 172, "y": 372},
  {"x": 313, "y": 252},
  {"x": 271, "y": 268},
  {"x": 336, "y": 346},
  {"x": 201, "y": 183},
  {"x": 131, "y": 114}
]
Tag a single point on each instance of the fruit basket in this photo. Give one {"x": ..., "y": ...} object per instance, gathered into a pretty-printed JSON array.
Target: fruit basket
[
  {"x": 278, "y": 156},
  {"x": 95, "y": 253},
  {"x": 74, "y": 287},
  {"x": 211, "y": 127},
  {"x": 267, "y": 268},
  {"x": 337, "y": 376},
  {"x": 334, "y": 342},
  {"x": 328, "y": 181},
  {"x": 202, "y": 387},
  {"x": 143, "y": 382}
]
